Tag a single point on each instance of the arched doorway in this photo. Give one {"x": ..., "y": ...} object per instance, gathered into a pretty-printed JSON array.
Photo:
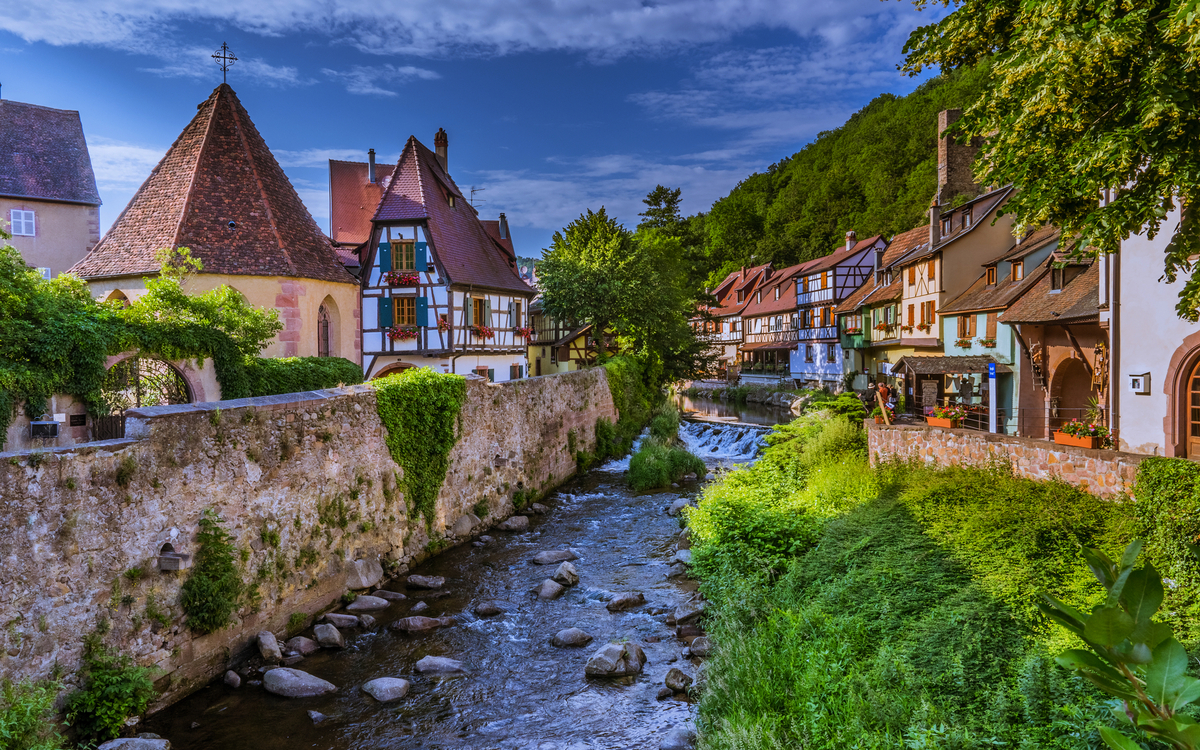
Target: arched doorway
[
  {"x": 1191, "y": 392},
  {"x": 328, "y": 321},
  {"x": 118, "y": 296},
  {"x": 1071, "y": 393},
  {"x": 136, "y": 382},
  {"x": 392, "y": 369}
]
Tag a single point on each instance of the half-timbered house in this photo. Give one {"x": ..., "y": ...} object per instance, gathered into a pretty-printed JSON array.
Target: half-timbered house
[
  {"x": 438, "y": 289},
  {"x": 721, "y": 323},
  {"x": 771, "y": 330}
]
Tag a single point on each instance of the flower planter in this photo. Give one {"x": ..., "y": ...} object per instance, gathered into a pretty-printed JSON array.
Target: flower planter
[
  {"x": 878, "y": 420},
  {"x": 942, "y": 422},
  {"x": 1063, "y": 438}
]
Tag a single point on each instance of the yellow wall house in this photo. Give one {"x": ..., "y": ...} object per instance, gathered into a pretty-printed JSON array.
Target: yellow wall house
[
  {"x": 220, "y": 192},
  {"x": 48, "y": 196}
]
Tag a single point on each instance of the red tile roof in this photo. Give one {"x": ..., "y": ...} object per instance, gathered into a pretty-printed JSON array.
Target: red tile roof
[
  {"x": 857, "y": 297},
  {"x": 1077, "y": 302},
  {"x": 43, "y": 154},
  {"x": 837, "y": 256},
  {"x": 726, "y": 291},
  {"x": 492, "y": 227},
  {"x": 784, "y": 278},
  {"x": 419, "y": 189},
  {"x": 353, "y": 199},
  {"x": 914, "y": 240},
  {"x": 218, "y": 171}
]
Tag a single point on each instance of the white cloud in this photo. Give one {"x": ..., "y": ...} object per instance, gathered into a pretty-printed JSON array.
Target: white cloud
[
  {"x": 121, "y": 164},
  {"x": 370, "y": 79},
  {"x": 197, "y": 62}
]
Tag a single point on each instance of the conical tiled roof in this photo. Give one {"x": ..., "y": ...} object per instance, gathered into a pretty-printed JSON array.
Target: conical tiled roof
[
  {"x": 420, "y": 189},
  {"x": 218, "y": 171}
]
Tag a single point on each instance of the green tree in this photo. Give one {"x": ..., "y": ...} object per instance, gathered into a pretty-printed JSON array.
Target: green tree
[
  {"x": 662, "y": 209},
  {"x": 1086, "y": 99}
]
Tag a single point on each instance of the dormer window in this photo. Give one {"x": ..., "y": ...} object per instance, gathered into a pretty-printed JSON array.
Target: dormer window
[
  {"x": 741, "y": 295},
  {"x": 777, "y": 292},
  {"x": 1056, "y": 279},
  {"x": 991, "y": 276},
  {"x": 758, "y": 296},
  {"x": 450, "y": 199},
  {"x": 1018, "y": 270},
  {"x": 966, "y": 222},
  {"x": 945, "y": 226}
]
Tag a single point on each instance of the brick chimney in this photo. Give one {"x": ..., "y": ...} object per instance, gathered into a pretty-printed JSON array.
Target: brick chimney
[
  {"x": 954, "y": 161},
  {"x": 503, "y": 227},
  {"x": 371, "y": 165},
  {"x": 935, "y": 224},
  {"x": 440, "y": 143},
  {"x": 851, "y": 238}
]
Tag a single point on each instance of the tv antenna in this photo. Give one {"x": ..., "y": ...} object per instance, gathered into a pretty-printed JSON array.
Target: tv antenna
[
  {"x": 475, "y": 190},
  {"x": 225, "y": 60}
]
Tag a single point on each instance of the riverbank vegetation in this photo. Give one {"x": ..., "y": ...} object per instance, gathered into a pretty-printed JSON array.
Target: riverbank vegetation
[
  {"x": 662, "y": 458},
  {"x": 896, "y": 606}
]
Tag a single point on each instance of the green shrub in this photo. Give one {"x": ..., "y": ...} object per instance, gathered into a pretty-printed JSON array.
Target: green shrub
[
  {"x": 276, "y": 375},
  {"x": 421, "y": 410},
  {"x": 211, "y": 593},
  {"x": 113, "y": 690},
  {"x": 126, "y": 468},
  {"x": 634, "y": 398},
  {"x": 664, "y": 427},
  {"x": 27, "y": 720},
  {"x": 1168, "y": 519},
  {"x": 658, "y": 465}
]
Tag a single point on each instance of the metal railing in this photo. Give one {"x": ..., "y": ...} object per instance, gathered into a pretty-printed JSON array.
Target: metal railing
[{"x": 1039, "y": 423}]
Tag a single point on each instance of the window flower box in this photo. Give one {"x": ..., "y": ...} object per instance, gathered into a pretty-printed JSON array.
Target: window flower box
[
  {"x": 946, "y": 416},
  {"x": 853, "y": 331},
  {"x": 1079, "y": 442},
  {"x": 483, "y": 332},
  {"x": 988, "y": 343},
  {"x": 1083, "y": 435},
  {"x": 942, "y": 422},
  {"x": 906, "y": 329},
  {"x": 925, "y": 327},
  {"x": 882, "y": 326},
  {"x": 525, "y": 333},
  {"x": 443, "y": 324},
  {"x": 402, "y": 278},
  {"x": 402, "y": 333},
  {"x": 963, "y": 343}
]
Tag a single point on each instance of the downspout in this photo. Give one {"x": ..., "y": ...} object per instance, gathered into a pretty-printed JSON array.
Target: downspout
[{"x": 1114, "y": 349}]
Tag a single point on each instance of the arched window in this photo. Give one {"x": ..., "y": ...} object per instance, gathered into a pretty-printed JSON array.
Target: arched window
[{"x": 323, "y": 336}]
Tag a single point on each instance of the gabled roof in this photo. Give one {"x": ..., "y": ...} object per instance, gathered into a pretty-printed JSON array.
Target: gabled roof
[
  {"x": 857, "y": 297},
  {"x": 1031, "y": 242},
  {"x": 751, "y": 276},
  {"x": 914, "y": 240},
  {"x": 726, "y": 291},
  {"x": 981, "y": 296},
  {"x": 419, "y": 190},
  {"x": 1077, "y": 302},
  {"x": 353, "y": 199},
  {"x": 492, "y": 227},
  {"x": 837, "y": 256},
  {"x": 979, "y": 208},
  {"x": 43, "y": 155},
  {"x": 217, "y": 173},
  {"x": 784, "y": 278},
  {"x": 888, "y": 293}
]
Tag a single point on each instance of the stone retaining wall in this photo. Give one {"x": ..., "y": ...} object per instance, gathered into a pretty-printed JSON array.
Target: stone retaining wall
[
  {"x": 1101, "y": 472},
  {"x": 304, "y": 482}
]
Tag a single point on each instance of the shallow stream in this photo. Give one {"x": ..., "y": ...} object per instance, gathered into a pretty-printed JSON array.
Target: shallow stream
[{"x": 520, "y": 691}]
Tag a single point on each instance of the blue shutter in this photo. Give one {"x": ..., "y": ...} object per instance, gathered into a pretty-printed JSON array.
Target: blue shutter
[
  {"x": 385, "y": 312},
  {"x": 385, "y": 256},
  {"x": 423, "y": 311},
  {"x": 422, "y": 257}
]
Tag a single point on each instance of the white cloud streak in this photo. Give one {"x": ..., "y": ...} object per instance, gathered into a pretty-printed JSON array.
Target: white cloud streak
[{"x": 371, "y": 79}]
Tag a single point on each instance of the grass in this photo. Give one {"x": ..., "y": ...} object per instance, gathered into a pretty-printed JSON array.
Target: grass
[
  {"x": 891, "y": 607},
  {"x": 661, "y": 459}
]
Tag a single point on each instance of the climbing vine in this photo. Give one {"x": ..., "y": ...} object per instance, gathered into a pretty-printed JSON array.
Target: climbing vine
[
  {"x": 211, "y": 593},
  {"x": 422, "y": 412}
]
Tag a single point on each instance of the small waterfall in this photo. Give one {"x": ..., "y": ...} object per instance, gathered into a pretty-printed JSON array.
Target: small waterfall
[{"x": 722, "y": 443}]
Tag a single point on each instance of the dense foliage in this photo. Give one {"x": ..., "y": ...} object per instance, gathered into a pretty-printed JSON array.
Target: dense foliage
[
  {"x": 662, "y": 458},
  {"x": 27, "y": 716},
  {"x": 1085, "y": 98},
  {"x": 268, "y": 377},
  {"x": 1168, "y": 519},
  {"x": 213, "y": 589},
  {"x": 421, "y": 410},
  {"x": 113, "y": 689},
  {"x": 896, "y": 606}
]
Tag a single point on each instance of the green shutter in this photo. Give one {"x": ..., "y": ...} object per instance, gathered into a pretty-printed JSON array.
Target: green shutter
[
  {"x": 491, "y": 375},
  {"x": 385, "y": 312},
  {"x": 469, "y": 307},
  {"x": 487, "y": 312},
  {"x": 423, "y": 311},
  {"x": 422, "y": 257},
  {"x": 385, "y": 256}
]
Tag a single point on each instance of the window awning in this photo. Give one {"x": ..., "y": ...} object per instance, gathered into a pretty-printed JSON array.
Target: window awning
[
  {"x": 770, "y": 346},
  {"x": 948, "y": 365}
]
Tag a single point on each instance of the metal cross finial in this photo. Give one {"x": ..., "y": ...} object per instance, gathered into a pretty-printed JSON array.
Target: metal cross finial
[{"x": 225, "y": 59}]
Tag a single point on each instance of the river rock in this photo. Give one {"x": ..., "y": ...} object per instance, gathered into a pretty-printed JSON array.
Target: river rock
[
  {"x": 419, "y": 624},
  {"x": 366, "y": 622},
  {"x": 292, "y": 683},
  {"x": 677, "y": 680},
  {"x": 440, "y": 665},
  {"x": 136, "y": 743},
  {"x": 426, "y": 582},
  {"x": 616, "y": 660},
  {"x": 233, "y": 679},
  {"x": 366, "y": 603},
  {"x": 268, "y": 647},
  {"x": 465, "y": 525},
  {"x": 364, "y": 574},
  {"x": 303, "y": 646},
  {"x": 387, "y": 689},
  {"x": 688, "y": 612},
  {"x": 677, "y": 571},
  {"x": 566, "y": 574},
  {"x": 540, "y": 509},
  {"x": 701, "y": 646},
  {"x": 570, "y": 637},
  {"x": 549, "y": 589},
  {"x": 552, "y": 556},
  {"x": 689, "y": 477},
  {"x": 392, "y": 596},
  {"x": 485, "y": 539},
  {"x": 419, "y": 607},
  {"x": 490, "y": 608},
  {"x": 316, "y": 716},
  {"x": 515, "y": 523},
  {"x": 329, "y": 636},
  {"x": 340, "y": 621},
  {"x": 676, "y": 507},
  {"x": 622, "y": 602},
  {"x": 684, "y": 556},
  {"x": 664, "y": 693},
  {"x": 680, "y": 738}
]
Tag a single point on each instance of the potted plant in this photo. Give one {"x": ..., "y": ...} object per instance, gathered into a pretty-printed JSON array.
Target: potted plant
[
  {"x": 402, "y": 278},
  {"x": 906, "y": 329},
  {"x": 402, "y": 333},
  {"x": 443, "y": 324},
  {"x": 1083, "y": 435},
  {"x": 946, "y": 416},
  {"x": 925, "y": 327},
  {"x": 483, "y": 332},
  {"x": 882, "y": 326},
  {"x": 526, "y": 332},
  {"x": 853, "y": 330},
  {"x": 988, "y": 343}
]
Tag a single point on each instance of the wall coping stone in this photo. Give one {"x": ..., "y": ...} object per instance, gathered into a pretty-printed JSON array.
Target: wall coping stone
[{"x": 990, "y": 437}]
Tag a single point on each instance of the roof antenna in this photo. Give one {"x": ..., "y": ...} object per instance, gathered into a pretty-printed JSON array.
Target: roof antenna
[
  {"x": 225, "y": 59},
  {"x": 475, "y": 190}
]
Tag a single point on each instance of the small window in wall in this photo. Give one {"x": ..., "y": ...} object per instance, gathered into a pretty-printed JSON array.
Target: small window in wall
[
  {"x": 45, "y": 273},
  {"x": 758, "y": 296},
  {"x": 830, "y": 353},
  {"x": 991, "y": 276},
  {"x": 323, "y": 331},
  {"x": 741, "y": 295},
  {"x": 1018, "y": 270},
  {"x": 404, "y": 255},
  {"x": 1056, "y": 279},
  {"x": 406, "y": 310},
  {"x": 23, "y": 224}
]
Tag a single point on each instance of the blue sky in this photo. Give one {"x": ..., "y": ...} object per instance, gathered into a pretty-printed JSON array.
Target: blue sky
[{"x": 552, "y": 106}]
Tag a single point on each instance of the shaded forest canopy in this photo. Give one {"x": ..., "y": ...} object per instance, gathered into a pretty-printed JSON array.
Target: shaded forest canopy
[{"x": 874, "y": 175}]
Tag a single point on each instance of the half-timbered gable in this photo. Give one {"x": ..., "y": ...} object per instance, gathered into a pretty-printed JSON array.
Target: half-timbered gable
[
  {"x": 440, "y": 289},
  {"x": 771, "y": 327}
]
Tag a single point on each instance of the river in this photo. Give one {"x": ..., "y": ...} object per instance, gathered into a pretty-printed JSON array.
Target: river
[
  {"x": 519, "y": 691},
  {"x": 706, "y": 408}
]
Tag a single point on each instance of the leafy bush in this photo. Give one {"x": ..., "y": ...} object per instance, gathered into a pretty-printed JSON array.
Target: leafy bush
[
  {"x": 113, "y": 690},
  {"x": 269, "y": 377},
  {"x": 1168, "y": 519},
  {"x": 664, "y": 427},
  {"x": 421, "y": 410},
  {"x": 27, "y": 720},
  {"x": 658, "y": 465},
  {"x": 211, "y": 593}
]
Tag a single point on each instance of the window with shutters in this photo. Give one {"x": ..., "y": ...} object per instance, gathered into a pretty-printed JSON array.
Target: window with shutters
[
  {"x": 912, "y": 275},
  {"x": 794, "y": 323},
  {"x": 972, "y": 319},
  {"x": 804, "y": 284},
  {"x": 516, "y": 314},
  {"x": 824, "y": 279},
  {"x": 962, "y": 326},
  {"x": 406, "y": 310},
  {"x": 991, "y": 276},
  {"x": 22, "y": 223},
  {"x": 479, "y": 312},
  {"x": 991, "y": 326},
  {"x": 404, "y": 255},
  {"x": 929, "y": 270}
]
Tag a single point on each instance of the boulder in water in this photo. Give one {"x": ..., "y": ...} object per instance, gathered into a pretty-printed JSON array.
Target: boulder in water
[
  {"x": 440, "y": 665},
  {"x": 419, "y": 624},
  {"x": 684, "y": 556},
  {"x": 701, "y": 646},
  {"x": 340, "y": 621},
  {"x": 392, "y": 596},
  {"x": 677, "y": 507},
  {"x": 549, "y": 589},
  {"x": 303, "y": 646},
  {"x": 569, "y": 637},
  {"x": 292, "y": 683},
  {"x": 364, "y": 574},
  {"x": 490, "y": 608},
  {"x": 268, "y": 647},
  {"x": 329, "y": 636},
  {"x": 566, "y": 574},
  {"x": 418, "y": 607},
  {"x": 387, "y": 689},
  {"x": 677, "y": 680},
  {"x": 426, "y": 582},
  {"x": 366, "y": 603},
  {"x": 622, "y": 602},
  {"x": 680, "y": 738},
  {"x": 515, "y": 523},
  {"x": 554, "y": 556},
  {"x": 616, "y": 660},
  {"x": 136, "y": 743}
]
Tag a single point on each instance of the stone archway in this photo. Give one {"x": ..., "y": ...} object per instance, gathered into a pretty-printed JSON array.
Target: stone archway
[
  {"x": 1071, "y": 392},
  {"x": 135, "y": 382}
]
